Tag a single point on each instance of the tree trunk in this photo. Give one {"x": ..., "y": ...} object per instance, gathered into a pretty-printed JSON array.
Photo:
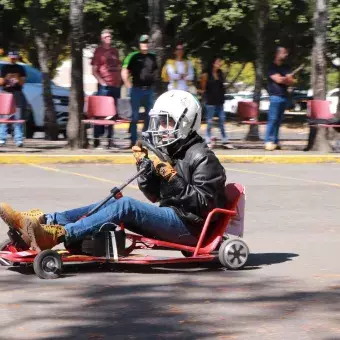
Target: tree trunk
[
  {"x": 41, "y": 41},
  {"x": 76, "y": 103},
  {"x": 319, "y": 69},
  {"x": 156, "y": 24},
  {"x": 338, "y": 107},
  {"x": 50, "y": 120},
  {"x": 261, "y": 14}
]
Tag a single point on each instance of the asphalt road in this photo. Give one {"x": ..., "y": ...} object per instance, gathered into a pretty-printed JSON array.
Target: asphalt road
[{"x": 289, "y": 289}]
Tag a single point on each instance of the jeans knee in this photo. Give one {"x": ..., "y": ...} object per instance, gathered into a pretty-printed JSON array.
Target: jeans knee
[{"x": 126, "y": 203}]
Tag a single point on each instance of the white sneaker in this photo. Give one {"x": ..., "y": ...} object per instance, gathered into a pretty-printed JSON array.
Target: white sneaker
[
  {"x": 228, "y": 146},
  {"x": 269, "y": 146}
]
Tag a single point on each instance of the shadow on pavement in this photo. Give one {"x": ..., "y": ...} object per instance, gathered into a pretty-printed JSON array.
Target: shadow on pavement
[
  {"x": 261, "y": 259},
  {"x": 128, "y": 306}
]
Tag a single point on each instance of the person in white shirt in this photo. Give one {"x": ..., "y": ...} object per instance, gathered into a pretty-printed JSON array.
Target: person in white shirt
[{"x": 180, "y": 71}]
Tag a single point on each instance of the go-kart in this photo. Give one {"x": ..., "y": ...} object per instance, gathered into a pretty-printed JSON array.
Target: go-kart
[{"x": 219, "y": 240}]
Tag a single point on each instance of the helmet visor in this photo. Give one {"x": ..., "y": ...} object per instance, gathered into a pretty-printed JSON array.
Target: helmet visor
[{"x": 162, "y": 128}]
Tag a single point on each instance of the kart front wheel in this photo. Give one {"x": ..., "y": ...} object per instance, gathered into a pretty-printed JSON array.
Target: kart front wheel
[
  {"x": 48, "y": 264},
  {"x": 5, "y": 246},
  {"x": 233, "y": 253}
]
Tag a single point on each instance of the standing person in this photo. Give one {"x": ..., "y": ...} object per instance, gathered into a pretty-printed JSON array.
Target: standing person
[
  {"x": 279, "y": 79},
  {"x": 12, "y": 79},
  {"x": 142, "y": 67},
  {"x": 213, "y": 91},
  {"x": 106, "y": 68},
  {"x": 179, "y": 72}
]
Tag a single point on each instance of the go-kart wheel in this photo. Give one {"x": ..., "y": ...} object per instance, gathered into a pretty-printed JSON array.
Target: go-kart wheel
[
  {"x": 233, "y": 253},
  {"x": 186, "y": 253},
  {"x": 48, "y": 264},
  {"x": 4, "y": 246}
]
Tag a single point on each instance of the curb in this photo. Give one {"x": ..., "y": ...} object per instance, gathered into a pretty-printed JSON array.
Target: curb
[{"x": 128, "y": 159}]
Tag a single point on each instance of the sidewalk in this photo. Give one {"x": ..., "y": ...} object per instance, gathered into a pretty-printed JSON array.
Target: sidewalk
[{"x": 293, "y": 141}]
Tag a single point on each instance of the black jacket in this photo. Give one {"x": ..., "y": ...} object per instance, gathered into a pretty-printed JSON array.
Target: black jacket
[{"x": 197, "y": 188}]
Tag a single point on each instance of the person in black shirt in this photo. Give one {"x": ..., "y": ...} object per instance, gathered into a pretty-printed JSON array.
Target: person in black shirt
[
  {"x": 12, "y": 79},
  {"x": 212, "y": 89},
  {"x": 142, "y": 67},
  {"x": 279, "y": 78}
]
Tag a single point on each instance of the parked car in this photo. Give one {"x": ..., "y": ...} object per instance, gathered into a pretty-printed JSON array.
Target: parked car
[
  {"x": 231, "y": 101},
  {"x": 33, "y": 91},
  {"x": 264, "y": 103},
  {"x": 333, "y": 98},
  {"x": 297, "y": 100}
]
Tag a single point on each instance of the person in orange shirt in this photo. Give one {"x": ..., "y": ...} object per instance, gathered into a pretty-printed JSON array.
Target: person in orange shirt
[{"x": 106, "y": 67}]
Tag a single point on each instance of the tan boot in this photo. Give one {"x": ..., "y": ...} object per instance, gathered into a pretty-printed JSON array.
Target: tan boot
[
  {"x": 14, "y": 219},
  {"x": 35, "y": 213},
  {"x": 43, "y": 236}
]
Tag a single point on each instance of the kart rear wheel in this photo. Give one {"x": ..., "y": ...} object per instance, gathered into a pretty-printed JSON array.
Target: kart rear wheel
[
  {"x": 48, "y": 264},
  {"x": 233, "y": 254}
]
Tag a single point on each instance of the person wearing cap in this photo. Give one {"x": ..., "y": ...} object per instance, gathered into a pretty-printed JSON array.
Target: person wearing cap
[
  {"x": 141, "y": 65},
  {"x": 12, "y": 79},
  {"x": 106, "y": 68}
]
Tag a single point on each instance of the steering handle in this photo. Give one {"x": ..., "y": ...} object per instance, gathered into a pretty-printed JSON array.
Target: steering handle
[{"x": 162, "y": 156}]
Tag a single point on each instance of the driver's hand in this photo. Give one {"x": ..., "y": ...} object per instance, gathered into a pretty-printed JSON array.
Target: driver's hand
[
  {"x": 164, "y": 169},
  {"x": 139, "y": 152}
]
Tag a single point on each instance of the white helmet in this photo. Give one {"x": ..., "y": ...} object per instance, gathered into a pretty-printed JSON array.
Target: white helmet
[{"x": 175, "y": 115}]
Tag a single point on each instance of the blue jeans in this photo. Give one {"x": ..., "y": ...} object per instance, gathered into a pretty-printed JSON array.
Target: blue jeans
[
  {"x": 213, "y": 110},
  {"x": 143, "y": 218},
  {"x": 277, "y": 108},
  {"x": 140, "y": 97},
  {"x": 20, "y": 103},
  {"x": 110, "y": 91}
]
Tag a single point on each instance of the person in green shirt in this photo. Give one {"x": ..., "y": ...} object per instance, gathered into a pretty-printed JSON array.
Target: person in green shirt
[{"x": 141, "y": 65}]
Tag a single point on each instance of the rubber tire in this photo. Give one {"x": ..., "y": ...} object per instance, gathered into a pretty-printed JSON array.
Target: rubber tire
[
  {"x": 38, "y": 265},
  {"x": 186, "y": 253},
  {"x": 225, "y": 261},
  {"x": 4, "y": 244}
]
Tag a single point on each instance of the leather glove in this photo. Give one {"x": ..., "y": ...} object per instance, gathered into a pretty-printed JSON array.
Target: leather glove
[
  {"x": 139, "y": 153},
  {"x": 164, "y": 169}
]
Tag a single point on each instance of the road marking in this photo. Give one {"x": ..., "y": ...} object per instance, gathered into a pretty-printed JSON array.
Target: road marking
[
  {"x": 284, "y": 177},
  {"x": 100, "y": 179}
]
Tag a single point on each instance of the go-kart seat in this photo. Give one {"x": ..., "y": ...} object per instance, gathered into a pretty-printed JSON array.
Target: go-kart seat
[{"x": 233, "y": 192}]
